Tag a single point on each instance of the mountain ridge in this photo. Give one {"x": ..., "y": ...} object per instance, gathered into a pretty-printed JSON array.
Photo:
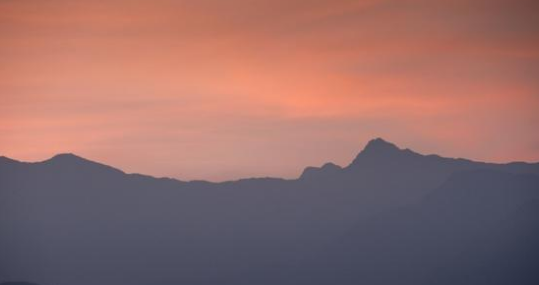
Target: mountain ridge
[
  {"x": 375, "y": 150},
  {"x": 69, "y": 220}
]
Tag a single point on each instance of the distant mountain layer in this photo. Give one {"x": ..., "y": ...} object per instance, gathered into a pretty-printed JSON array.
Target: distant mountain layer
[{"x": 392, "y": 216}]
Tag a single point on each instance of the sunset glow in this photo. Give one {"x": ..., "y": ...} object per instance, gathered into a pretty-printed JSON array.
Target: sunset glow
[{"x": 221, "y": 90}]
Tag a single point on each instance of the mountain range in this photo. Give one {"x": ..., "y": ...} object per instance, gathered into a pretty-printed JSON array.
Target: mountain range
[{"x": 393, "y": 216}]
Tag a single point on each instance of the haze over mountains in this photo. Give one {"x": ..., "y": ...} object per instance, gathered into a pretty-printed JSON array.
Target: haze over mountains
[{"x": 392, "y": 216}]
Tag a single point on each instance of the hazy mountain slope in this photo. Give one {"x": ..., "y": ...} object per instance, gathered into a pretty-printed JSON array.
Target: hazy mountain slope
[
  {"x": 383, "y": 177},
  {"x": 68, "y": 220},
  {"x": 480, "y": 227}
]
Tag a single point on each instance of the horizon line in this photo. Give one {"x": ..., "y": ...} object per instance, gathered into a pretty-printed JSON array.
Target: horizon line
[{"x": 370, "y": 142}]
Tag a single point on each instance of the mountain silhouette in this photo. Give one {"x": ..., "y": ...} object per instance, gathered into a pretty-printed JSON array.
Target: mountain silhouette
[
  {"x": 378, "y": 149},
  {"x": 391, "y": 216},
  {"x": 479, "y": 227}
]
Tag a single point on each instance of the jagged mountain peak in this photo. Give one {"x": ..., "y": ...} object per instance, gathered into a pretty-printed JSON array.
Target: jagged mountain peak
[
  {"x": 379, "y": 145},
  {"x": 326, "y": 169},
  {"x": 379, "y": 149}
]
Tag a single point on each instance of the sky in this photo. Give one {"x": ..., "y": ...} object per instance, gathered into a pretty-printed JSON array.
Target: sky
[{"x": 221, "y": 90}]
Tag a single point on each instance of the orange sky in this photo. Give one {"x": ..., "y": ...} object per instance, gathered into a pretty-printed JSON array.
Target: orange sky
[{"x": 227, "y": 89}]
